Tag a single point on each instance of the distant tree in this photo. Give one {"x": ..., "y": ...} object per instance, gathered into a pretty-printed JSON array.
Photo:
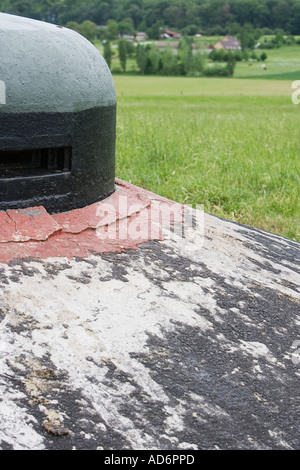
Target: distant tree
[
  {"x": 216, "y": 70},
  {"x": 245, "y": 55},
  {"x": 88, "y": 29},
  {"x": 279, "y": 38},
  {"x": 213, "y": 55},
  {"x": 122, "y": 53},
  {"x": 230, "y": 64},
  {"x": 263, "y": 56},
  {"x": 198, "y": 63},
  {"x": 112, "y": 30},
  {"x": 142, "y": 26},
  {"x": 215, "y": 30},
  {"x": 217, "y": 55},
  {"x": 126, "y": 26},
  {"x": 294, "y": 20},
  {"x": 154, "y": 58},
  {"x": 211, "y": 17},
  {"x": 72, "y": 25},
  {"x": 174, "y": 15},
  {"x": 141, "y": 58},
  {"x": 290, "y": 40},
  {"x": 169, "y": 62},
  {"x": 243, "y": 39},
  {"x": 107, "y": 53},
  {"x": 233, "y": 29},
  {"x": 155, "y": 31},
  {"x": 190, "y": 30},
  {"x": 130, "y": 48},
  {"x": 281, "y": 14},
  {"x": 135, "y": 13},
  {"x": 248, "y": 37},
  {"x": 238, "y": 55},
  {"x": 185, "y": 56}
]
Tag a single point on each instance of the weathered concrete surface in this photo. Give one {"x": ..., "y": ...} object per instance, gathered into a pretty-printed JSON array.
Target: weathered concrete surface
[{"x": 175, "y": 343}]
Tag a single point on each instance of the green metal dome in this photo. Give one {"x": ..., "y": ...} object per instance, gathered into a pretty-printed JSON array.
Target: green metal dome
[
  {"x": 44, "y": 65},
  {"x": 57, "y": 117}
]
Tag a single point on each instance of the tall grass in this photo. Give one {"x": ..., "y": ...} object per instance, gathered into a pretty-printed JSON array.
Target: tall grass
[{"x": 231, "y": 145}]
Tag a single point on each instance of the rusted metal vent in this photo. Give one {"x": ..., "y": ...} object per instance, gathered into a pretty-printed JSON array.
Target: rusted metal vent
[{"x": 57, "y": 118}]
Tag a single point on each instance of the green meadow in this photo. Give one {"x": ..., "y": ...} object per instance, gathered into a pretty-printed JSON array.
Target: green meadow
[
  {"x": 229, "y": 144},
  {"x": 282, "y": 64}
]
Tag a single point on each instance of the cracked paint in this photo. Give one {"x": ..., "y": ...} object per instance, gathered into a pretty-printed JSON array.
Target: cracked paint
[{"x": 100, "y": 227}]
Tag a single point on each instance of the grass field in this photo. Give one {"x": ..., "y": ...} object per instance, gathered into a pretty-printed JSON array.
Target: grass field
[
  {"x": 229, "y": 144},
  {"x": 282, "y": 64}
]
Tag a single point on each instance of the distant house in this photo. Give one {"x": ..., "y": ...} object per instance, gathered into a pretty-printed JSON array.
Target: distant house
[
  {"x": 141, "y": 36},
  {"x": 128, "y": 37},
  {"x": 171, "y": 34},
  {"x": 228, "y": 43}
]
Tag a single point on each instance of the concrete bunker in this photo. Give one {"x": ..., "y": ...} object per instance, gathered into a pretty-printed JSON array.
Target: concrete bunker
[{"x": 57, "y": 118}]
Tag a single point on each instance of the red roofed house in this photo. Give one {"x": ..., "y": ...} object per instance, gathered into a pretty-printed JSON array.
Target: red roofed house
[{"x": 171, "y": 34}]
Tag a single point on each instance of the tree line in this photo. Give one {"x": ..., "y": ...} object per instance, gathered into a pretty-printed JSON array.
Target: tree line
[
  {"x": 186, "y": 16},
  {"x": 184, "y": 60}
]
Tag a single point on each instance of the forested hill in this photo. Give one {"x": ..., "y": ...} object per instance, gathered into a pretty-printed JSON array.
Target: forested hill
[{"x": 207, "y": 16}]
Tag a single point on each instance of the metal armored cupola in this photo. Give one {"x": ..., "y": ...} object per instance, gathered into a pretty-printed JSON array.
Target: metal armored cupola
[{"x": 57, "y": 118}]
